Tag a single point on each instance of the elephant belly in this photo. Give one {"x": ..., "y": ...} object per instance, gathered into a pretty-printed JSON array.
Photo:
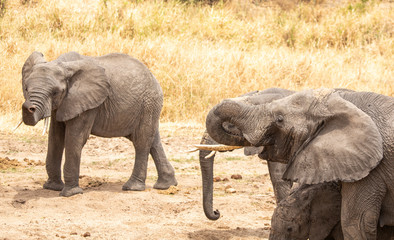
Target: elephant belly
[{"x": 115, "y": 124}]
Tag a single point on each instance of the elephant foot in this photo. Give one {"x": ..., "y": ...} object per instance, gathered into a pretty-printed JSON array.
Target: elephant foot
[
  {"x": 134, "y": 184},
  {"x": 53, "y": 185},
  {"x": 70, "y": 191},
  {"x": 165, "y": 183}
]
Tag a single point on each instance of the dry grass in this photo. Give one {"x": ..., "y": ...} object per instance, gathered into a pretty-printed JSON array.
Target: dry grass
[{"x": 201, "y": 53}]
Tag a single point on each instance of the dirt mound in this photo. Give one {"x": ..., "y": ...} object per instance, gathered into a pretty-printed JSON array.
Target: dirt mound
[
  {"x": 33, "y": 162},
  {"x": 6, "y": 163},
  {"x": 91, "y": 182}
]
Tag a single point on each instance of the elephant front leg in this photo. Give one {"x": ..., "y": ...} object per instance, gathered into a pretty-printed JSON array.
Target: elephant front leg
[
  {"x": 54, "y": 155},
  {"x": 361, "y": 204},
  {"x": 77, "y": 133},
  {"x": 165, "y": 171}
]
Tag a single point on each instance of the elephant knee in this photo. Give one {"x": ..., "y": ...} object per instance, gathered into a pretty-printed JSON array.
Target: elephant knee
[
  {"x": 362, "y": 227},
  {"x": 369, "y": 223}
]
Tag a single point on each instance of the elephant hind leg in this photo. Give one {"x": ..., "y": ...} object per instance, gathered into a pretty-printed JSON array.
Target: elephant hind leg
[
  {"x": 165, "y": 171},
  {"x": 142, "y": 139}
]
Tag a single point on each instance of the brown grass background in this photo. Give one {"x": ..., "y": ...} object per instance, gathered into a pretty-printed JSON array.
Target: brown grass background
[{"x": 202, "y": 53}]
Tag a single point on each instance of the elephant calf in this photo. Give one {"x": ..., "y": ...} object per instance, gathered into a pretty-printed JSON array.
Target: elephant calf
[
  {"x": 109, "y": 96},
  {"x": 309, "y": 212}
]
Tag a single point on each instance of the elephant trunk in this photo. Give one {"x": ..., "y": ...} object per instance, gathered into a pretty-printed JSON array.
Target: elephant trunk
[
  {"x": 227, "y": 112},
  {"x": 37, "y": 106},
  {"x": 206, "y": 165},
  {"x": 30, "y": 113}
]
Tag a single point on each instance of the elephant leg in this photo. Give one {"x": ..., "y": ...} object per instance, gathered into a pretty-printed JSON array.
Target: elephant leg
[
  {"x": 54, "y": 155},
  {"x": 137, "y": 179},
  {"x": 165, "y": 172},
  {"x": 77, "y": 133},
  {"x": 361, "y": 203},
  {"x": 142, "y": 140}
]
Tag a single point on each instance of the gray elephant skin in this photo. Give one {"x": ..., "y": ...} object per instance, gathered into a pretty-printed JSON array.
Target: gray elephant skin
[
  {"x": 109, "y": 96},
  {"x": 303, "y": 212},
  {"x": 292, "y": 201},
  {"x": 324, "y": 135},
  {"x": 229, "y": 131},
  {"x": 308, "y": 212}
]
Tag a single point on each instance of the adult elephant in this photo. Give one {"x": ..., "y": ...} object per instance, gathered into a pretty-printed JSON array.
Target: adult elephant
[
  {"x": 281, "y": 187},
  {"x": 109, "y": 96},
  {"x": 325, "y": 135}
]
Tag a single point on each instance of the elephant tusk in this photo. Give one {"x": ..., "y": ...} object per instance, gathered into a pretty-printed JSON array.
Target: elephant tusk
[
  {"x": 211, "y": 154},
  {"x": 218, "y": 147},
  {"x": 20, "y": 123},
  {"x": 45, "y": 126},
  {"x": 192, "y": 150}
]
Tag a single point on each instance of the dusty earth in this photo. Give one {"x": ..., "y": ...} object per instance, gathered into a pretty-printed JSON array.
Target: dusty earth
[{"x": 104, "y": 211}]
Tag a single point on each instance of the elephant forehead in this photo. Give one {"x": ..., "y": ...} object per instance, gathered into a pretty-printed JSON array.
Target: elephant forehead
[{"x": 47, "y": 69}]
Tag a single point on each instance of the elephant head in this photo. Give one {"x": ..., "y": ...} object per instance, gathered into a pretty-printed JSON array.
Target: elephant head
[
  {"x": 224, "y": 128},
  {"x": 321, "y": 136},
  {"x": 69, "y": 85}
]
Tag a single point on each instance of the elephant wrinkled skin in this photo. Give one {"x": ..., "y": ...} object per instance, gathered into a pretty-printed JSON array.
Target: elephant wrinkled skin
[
  {"x": 109, "y": 96},
  {"x": 325, "y": 135},
  {"x": 288, "y": 197}
]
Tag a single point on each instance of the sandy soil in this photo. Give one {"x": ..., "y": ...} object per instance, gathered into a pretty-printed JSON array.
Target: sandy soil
[{"x": 104, "y": 211}]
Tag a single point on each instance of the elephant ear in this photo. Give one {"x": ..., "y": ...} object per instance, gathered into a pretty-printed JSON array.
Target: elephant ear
[
  {"x": 33, "y": 59},
  {"x": 88, "y": 87},
  {"x": 347, "y": 147}
]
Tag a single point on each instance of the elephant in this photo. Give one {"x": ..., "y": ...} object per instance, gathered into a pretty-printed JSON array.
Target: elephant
[
  {"x": 113, "y": 95},
  {"x": 309, "y": 212},
  {"x": 276, "y": 170},
  {"x": 283, "y": 190},
  {"x": 324, "y": 135}
]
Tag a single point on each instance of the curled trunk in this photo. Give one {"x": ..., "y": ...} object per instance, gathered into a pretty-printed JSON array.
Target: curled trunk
[{"x": 222, "y": 124}]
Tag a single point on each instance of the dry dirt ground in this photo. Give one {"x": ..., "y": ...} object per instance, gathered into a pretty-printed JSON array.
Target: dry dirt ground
[{"x": 104, "y": 211}]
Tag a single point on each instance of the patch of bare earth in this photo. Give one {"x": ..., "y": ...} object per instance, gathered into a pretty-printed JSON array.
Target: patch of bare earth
[{"x": 104, "y": 211}]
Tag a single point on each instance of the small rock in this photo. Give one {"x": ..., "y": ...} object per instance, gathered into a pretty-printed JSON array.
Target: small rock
[
  {"x": 217, "y": 179},
  {"x": 87, "y": 234},
  {"x": 225, "y": 179},
  {"x": 236, "y": 176},
  {"x": 73, "y": 233},
  {"x": 231, "y": 190},
  {"x": 227, "y": 186}
]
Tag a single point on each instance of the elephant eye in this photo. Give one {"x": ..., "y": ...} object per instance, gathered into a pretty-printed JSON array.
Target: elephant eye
[
  {"x": 56, "y": 92},
  {"x": 279, "y": 119}
]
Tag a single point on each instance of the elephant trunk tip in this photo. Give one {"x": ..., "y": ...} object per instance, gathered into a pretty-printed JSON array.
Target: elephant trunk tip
[{"x": 215, "y": 215}]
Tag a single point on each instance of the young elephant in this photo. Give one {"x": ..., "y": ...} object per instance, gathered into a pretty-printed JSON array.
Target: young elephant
[
  {"x": 309, "y": 212},
  {"x": 325, "y": 135},
  {"x": 109, "y": 96}
]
